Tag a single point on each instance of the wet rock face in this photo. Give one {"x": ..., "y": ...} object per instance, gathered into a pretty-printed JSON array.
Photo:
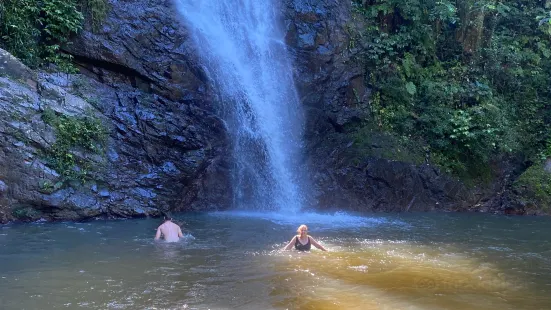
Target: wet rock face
[
  {"x": 157, "y": 156},
  {"x": 330, "y": 83},
  {"x": 392, "y": 186},
  {"x": 146, "y": 42},
  {"x": 167, "y": 149}
]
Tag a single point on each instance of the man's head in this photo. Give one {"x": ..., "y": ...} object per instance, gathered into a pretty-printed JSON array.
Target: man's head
[{"x": 168, "y": 218}]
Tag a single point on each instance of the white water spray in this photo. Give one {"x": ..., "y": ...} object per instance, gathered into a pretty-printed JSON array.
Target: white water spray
[{"x": 244, "y": 54}]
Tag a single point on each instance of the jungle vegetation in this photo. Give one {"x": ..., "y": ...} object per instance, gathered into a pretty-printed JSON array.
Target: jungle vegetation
[{"x": 469, "y": 80}]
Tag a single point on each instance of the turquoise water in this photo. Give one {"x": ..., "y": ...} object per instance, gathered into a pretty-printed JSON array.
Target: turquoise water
[{"x": 231, "y": 261}]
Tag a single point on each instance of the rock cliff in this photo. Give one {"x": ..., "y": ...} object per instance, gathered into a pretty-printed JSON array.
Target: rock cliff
[{"x": 167, "y": 150}]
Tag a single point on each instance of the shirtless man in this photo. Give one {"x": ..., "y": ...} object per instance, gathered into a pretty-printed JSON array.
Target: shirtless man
[{"x": 170, "y": 231}]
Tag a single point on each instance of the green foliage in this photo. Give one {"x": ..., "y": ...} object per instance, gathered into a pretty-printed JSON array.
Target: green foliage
[
  {"x": 48, "y": 187},
  {"x": 18, "y": 29},
  {"x": 73, "y": 137},
  {"x": 545, "y": 152},
  {"x": 61, "y": 19},
  {"x": 545, "y": 23},
  {"x": 468, "y": 78},
  {"x": 95, "y": 10},
  {"x": 535, "y": 186},
  {"x": 26, "y": 214},
  {"x": 36, "y": 30}
]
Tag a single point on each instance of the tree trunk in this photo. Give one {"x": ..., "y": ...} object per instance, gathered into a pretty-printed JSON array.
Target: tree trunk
[{"x": 470, "y": 33}]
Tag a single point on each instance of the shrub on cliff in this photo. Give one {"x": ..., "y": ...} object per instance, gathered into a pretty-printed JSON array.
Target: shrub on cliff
[
  {"x": 36, "y": 30},
  {"x": 74, "y": 134},
  {"x": 534, "y": 188}
]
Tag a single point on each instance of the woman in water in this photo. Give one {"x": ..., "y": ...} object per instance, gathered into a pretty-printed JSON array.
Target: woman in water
[{"x": 302, "y": 241}]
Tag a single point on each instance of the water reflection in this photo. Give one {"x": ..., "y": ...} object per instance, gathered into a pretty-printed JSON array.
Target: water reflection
[
  {"x": 394, "y": 275},
  {"x": 233, "y": 262}
]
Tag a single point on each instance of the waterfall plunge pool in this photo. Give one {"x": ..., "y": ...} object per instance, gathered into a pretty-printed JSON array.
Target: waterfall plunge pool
[{"x": 230, "y": 260}]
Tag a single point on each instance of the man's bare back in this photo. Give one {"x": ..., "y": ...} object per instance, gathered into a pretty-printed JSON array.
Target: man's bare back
[{"x": 170, "y": 231}]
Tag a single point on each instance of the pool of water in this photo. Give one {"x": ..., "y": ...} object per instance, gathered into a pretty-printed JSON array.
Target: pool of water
[{"x": 231, "y": 260}]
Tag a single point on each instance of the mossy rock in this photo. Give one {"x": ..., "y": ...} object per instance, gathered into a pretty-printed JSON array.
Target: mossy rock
[
  {"x": 78, "y": 139},
  {"x": 533, "y": 189},
  {"x": 27, "y": 214},
  {"x": 371, "y": 142}
]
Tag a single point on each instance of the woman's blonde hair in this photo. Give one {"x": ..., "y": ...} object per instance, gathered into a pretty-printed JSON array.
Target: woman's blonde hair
[{"x": 302, "y": 227}]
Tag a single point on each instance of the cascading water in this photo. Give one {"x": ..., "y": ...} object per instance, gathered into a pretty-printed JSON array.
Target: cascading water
[{"x": 244, "y": 55}]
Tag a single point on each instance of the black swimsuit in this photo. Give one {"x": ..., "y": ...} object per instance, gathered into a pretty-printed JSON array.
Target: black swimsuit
[{"x": 302, "y": 247}]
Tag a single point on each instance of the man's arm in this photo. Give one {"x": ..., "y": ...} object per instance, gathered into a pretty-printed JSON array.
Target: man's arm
[
  {"x": 158, "y": 234},
  {"x": 290, "y": 244},
  {"x": 316, "y": 244},
  {"x": 180, "y": 235}
]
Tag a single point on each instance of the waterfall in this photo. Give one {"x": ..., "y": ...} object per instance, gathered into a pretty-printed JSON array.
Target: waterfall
[{"x": 241, "y": 45}]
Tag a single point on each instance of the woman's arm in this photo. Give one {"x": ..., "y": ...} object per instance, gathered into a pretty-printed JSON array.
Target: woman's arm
[
  {"x": 316, "y": 244},
  {"x": 290, "y": 244}
]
